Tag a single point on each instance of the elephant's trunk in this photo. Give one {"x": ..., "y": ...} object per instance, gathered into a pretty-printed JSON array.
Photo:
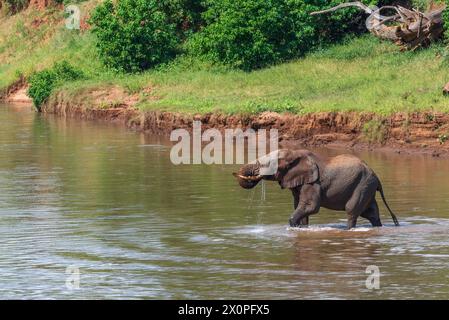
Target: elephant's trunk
[
  {"x": 248, "y": 175},
  {"x": 255, "y": 178}
]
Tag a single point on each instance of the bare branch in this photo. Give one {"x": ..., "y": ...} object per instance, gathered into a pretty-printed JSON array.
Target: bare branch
[{"x": 358, "y": 4}]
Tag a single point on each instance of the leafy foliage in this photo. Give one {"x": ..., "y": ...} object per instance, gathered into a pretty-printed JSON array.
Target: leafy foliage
[
  {"x": 134, "y": 35},
  {"x": 445, "y": 16},
  {"x": 251, "y": 34},
  {"x": 41, "y": 86},
  {"x": 246, "y": 34},
  {"x": 186, "y": 15},
  {"x": 43, "y": 82}
]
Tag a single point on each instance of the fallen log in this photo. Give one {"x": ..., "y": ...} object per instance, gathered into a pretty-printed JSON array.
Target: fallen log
[{"x": 409, "y": 29}]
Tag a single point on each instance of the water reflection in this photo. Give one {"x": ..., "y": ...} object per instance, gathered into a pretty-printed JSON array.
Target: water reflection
[{"x": 109, "y": 201}]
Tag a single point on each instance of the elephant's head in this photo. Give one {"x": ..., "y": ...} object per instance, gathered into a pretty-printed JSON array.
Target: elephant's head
[{"x": 291, "y": 168}]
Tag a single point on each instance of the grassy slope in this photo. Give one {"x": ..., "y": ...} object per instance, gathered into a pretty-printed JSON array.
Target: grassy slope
[
  {"x": 362, "y": 74},
  {"x": 33, "y": 40}
]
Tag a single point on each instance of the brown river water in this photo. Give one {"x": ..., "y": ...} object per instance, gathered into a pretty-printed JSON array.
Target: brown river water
[{"x": 108, "y": 202}]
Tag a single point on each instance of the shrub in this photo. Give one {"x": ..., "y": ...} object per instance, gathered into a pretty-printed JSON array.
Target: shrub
[
  {"x": 43, "y": 82},
  {"x": 246, "y": 34},
  {"x": 251, "y": 34},
  {"x": 64, "y": 71},
  {"x": 133, "y": 35},
  {"x": 41, "y": 86},
  {"x": 445, "y": 17}
]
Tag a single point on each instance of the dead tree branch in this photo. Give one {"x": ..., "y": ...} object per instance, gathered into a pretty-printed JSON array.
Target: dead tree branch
[{"x": 407, "y": 28}]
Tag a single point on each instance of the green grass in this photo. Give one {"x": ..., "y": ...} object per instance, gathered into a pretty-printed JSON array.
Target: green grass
[
  {"x": 27, "y": 44},
  {"x": 362, "y": 74}
]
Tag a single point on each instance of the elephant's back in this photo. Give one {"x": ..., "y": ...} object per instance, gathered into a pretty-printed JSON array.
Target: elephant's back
[
  {"x": 344, "y": 159},
  {"x": 346, "y": 164},
  {"x": 341, "y": 176},
  {"x": 345, "y": 169}
]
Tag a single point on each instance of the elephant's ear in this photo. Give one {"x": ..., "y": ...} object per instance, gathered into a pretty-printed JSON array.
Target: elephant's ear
[{"x": 297, "y": 169}]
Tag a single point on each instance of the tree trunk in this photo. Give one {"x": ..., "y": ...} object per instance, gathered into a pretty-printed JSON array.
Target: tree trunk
[{"x": 407, "y": 28}]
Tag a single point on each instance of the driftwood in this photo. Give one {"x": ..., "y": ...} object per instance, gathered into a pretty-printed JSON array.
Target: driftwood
[{"x": 409, "y": 29}]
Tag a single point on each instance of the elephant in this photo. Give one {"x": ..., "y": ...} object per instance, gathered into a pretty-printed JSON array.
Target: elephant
[{"x": 342, "y": 183}]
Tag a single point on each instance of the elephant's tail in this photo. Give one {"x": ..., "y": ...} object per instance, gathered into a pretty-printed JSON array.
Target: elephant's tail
[{"x": 393, "y": 216}]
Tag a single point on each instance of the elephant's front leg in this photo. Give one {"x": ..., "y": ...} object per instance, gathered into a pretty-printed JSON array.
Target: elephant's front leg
[
  {"x": 308, "y": 203},
  {"x": 296, "y": 192}
]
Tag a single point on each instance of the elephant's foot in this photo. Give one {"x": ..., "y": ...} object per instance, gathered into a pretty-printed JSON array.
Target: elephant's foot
[
  {"x": 304, "y": 223},
  {"x": 294, "y": 224},
  {"x": 291, "y": 223}
]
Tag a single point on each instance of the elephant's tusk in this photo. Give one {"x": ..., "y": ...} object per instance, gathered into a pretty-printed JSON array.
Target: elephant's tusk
[{"x": 251, "y": 178}]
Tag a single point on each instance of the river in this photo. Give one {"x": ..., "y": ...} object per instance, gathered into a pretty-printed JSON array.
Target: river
[{"x": 97, "y": 203}]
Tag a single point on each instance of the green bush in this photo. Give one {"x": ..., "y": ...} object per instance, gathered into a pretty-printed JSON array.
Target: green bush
[
  {"x": 43, "y": 82},
  {"x": 445, "y": 17},
  {"x": 64, "y": 71},
  {"x": 134, "y": 35},
  {"x": 251, "y": 34},
  {"x": 41, "y": 86},
  {"x": 246, "y": 34}
]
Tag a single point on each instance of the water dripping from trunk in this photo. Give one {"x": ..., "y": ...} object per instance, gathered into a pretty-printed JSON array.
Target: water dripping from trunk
[{"x": 263, "y": 191}]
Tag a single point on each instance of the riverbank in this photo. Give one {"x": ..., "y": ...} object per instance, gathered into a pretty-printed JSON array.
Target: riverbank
[
  {"x": 400, "y": 132},
  {"x": 416, "y": 132}
]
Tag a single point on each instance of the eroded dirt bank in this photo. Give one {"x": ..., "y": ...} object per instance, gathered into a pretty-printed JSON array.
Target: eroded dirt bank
[
  {"x": 423, "y": 132},
  {"x": 16, "y": 93},
  {"x": 402, "y": 132}
]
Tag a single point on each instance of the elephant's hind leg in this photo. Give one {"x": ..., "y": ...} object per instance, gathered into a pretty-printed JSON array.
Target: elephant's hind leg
[
  {"x": 372, "y": 214},
  {"x": 358, "y": 203},
  {"x": 353, "y": 210}
]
